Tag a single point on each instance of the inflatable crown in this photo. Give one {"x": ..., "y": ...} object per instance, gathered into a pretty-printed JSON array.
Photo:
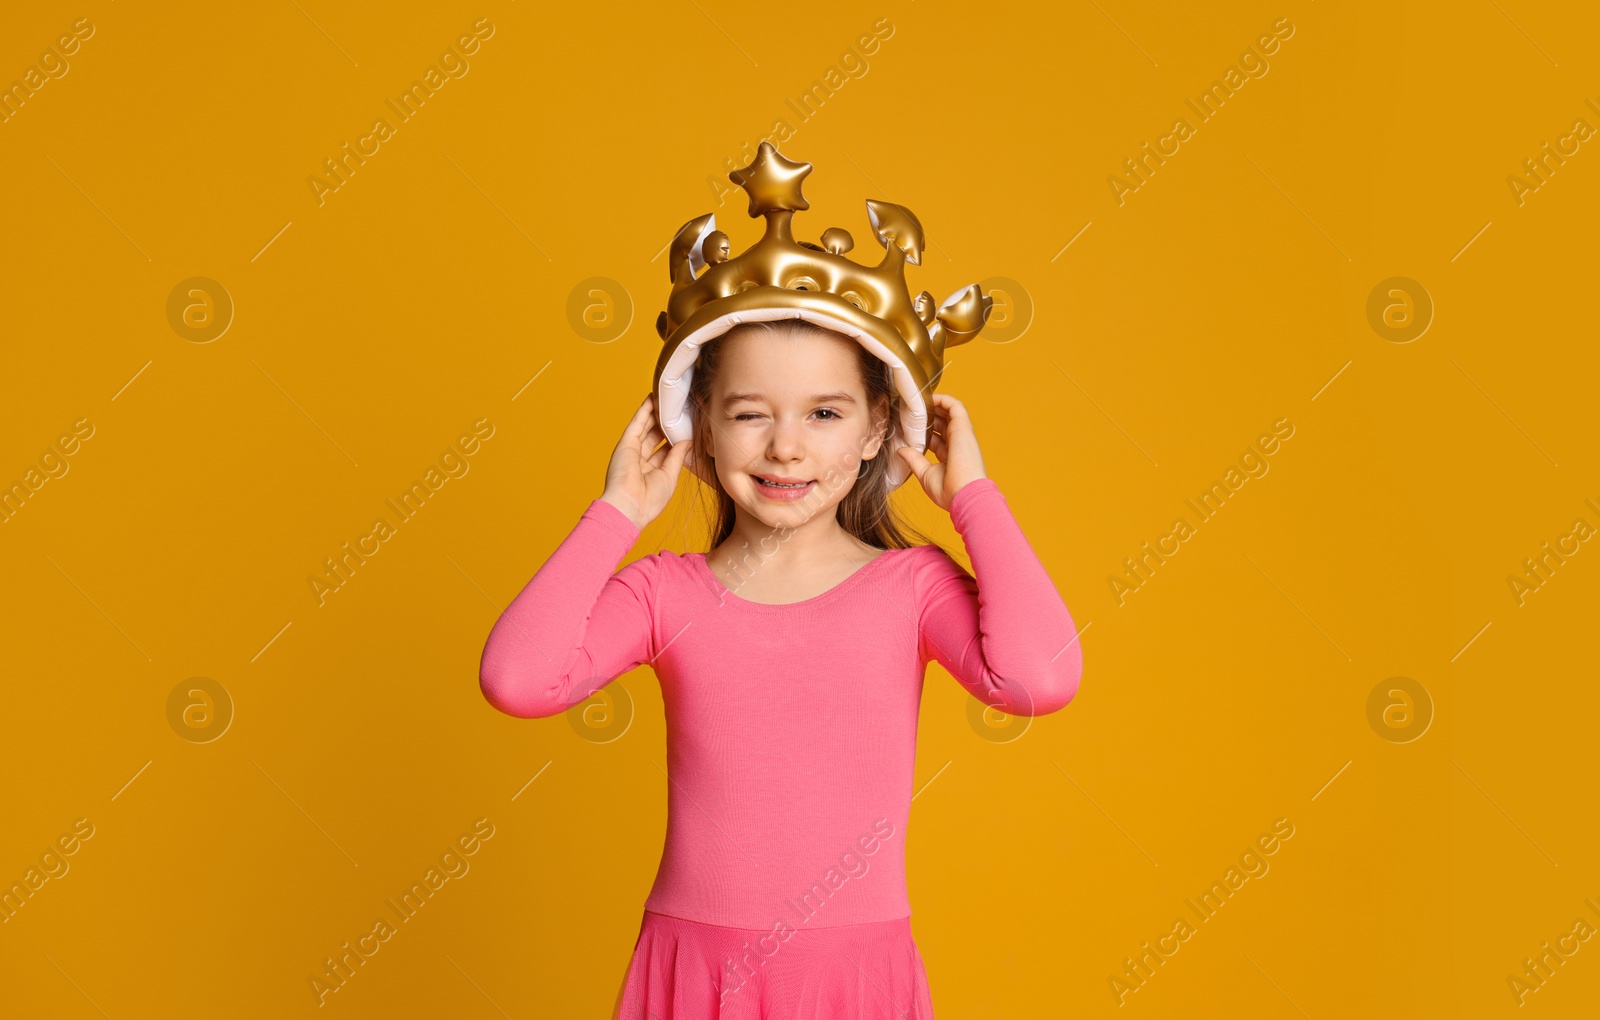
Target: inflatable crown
[{"x": 781, "y": 278}]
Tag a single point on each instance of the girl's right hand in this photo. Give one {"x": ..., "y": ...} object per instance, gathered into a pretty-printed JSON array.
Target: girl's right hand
[{"x": 641, "y": 479}]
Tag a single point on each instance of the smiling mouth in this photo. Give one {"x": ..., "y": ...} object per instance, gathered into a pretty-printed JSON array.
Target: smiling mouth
[{"x": 781, "y": 490}]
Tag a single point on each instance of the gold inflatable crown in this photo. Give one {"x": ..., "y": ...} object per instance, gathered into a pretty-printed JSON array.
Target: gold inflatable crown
[{"x": 781, "y": 278}]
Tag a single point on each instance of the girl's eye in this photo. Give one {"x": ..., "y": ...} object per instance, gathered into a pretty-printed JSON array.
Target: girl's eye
[{"x": 747, "y": 415}]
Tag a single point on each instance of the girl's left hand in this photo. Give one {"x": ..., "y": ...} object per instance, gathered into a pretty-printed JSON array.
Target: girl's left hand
[{"x": 952, "y": 440}]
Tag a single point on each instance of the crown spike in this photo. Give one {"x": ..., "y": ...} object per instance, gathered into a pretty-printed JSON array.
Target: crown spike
[
  {"x": 898, "y": 230},
  {"x": 964, "y": 313},
  {"x": 685, "y": 258}
]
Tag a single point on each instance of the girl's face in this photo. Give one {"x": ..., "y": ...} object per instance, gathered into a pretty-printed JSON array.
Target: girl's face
[{"x": 789, "y": 407}]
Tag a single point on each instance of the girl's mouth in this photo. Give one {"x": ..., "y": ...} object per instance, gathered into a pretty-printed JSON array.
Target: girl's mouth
[{"x": 782, "y": 493}]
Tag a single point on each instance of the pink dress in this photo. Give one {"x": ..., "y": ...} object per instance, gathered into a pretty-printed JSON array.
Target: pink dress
[{"x": 791, "y": 741}]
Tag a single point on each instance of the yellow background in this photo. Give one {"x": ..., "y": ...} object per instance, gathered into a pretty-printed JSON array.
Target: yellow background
[{"x": 371, "y": 330}]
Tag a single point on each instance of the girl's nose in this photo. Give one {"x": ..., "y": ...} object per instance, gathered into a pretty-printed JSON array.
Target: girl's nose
[{"x": 786, "y": 441}]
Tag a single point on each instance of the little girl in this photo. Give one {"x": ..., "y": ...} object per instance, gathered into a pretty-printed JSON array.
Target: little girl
[{"x": 791, "y": 660}]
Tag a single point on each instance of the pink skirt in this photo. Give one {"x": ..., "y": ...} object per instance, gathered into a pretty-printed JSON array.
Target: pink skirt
[{"x": 686, "y": 970}]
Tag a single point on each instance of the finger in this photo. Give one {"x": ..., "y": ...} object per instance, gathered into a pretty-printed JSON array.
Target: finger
[
  {"x": 641, "y": 416},
  {"x": 914, "y": 460},
  {"x": 654, "y": 461},
  {"x": 652, "y": 439},
  {"x": 949, "y": 408},
  {"x": 677, "y": 456}
]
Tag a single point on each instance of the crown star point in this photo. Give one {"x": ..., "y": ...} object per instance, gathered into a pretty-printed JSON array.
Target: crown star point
[{"x": 772, "y": 181}]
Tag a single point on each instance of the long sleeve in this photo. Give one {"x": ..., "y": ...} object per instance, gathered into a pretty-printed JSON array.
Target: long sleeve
[
  {"x": 576, "y": 626},
  {"x": 1005, "y": 634}
]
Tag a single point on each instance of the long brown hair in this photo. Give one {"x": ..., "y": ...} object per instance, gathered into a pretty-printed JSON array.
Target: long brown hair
[{"x": 866, "y": 510}]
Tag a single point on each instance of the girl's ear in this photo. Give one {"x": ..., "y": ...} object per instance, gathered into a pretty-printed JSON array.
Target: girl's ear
[
  {"x": 700, "y": 465},
  {"x": 882, "y": 425}
]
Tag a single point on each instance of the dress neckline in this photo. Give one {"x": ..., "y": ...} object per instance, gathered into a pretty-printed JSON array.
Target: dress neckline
[{"x": 726, "y": 594}]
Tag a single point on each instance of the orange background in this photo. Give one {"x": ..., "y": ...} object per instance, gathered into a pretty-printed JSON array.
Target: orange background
[{"x": 1167, "y": 332}]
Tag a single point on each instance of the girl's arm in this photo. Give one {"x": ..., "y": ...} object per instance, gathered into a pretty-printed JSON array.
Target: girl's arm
[
  {"x": 576, "y": 626},
  {"x": 1005, "y": 634}
]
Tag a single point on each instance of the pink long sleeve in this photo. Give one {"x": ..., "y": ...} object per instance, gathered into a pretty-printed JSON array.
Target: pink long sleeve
[
  {"x": 791, "y": 728},
  {"x": 575, "y": 626},
  {"x": 1006, "y": 634}
]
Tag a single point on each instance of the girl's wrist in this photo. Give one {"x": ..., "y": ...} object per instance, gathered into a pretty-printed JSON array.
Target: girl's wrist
[
  {"x": 624, "y": 507},
  {"x": 962, "y": 487}
]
